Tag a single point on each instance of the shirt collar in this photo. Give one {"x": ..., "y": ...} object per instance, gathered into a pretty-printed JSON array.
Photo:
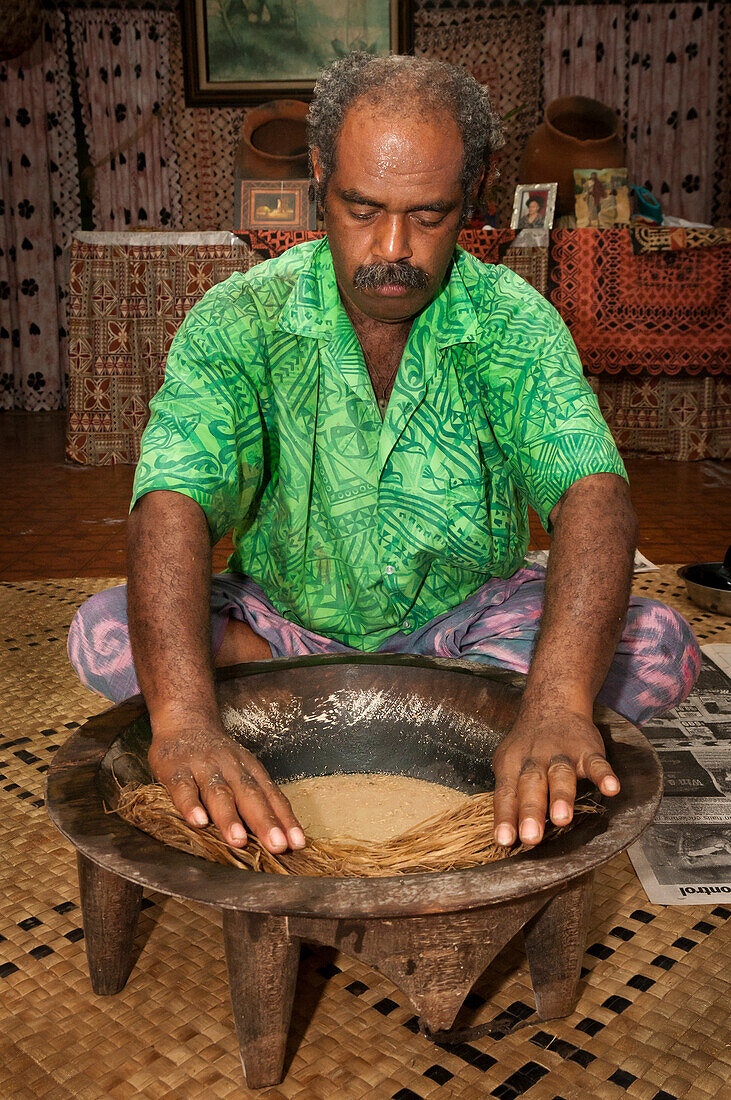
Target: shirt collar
[
  {"x": 314, "y": 308},
  {"x": 451, "y": 318},
  {"x": 314, "y": 305}
]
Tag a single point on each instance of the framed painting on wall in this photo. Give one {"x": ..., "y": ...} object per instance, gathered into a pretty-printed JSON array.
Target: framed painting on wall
[{"x": 248, "y": 51}]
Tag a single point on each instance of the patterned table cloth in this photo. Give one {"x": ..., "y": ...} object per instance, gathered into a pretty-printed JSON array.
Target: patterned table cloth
[
  {"x": 654, "y": 331},
  {"x": 129, "y": 293},
  {"x": 660, "y": 312},
  {"x": 126, "y": 303}
]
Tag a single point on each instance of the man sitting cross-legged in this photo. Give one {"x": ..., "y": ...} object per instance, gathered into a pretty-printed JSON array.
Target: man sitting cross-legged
[{"x": 372, "y": 413}]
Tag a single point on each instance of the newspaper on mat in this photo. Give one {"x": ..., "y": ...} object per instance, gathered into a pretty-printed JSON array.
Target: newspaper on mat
[
  {"x": 684, "y": 857},
  {"x": 642, "y": 564}
]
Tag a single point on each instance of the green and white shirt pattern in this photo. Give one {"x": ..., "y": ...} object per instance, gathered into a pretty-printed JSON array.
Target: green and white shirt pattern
[{"x": 356, "y": 527}]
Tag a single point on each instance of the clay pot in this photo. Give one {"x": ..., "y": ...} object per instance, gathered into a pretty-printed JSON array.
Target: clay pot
[
  {"x": 20, "y": 25},
  {"x": 577, "y": 132},
  {"x": 273, "y": 142}
]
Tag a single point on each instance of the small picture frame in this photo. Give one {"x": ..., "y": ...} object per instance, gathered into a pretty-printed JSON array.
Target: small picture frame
[
  {"x": 273, "y": 204},
  {"x": 601, "y": 197},
  {"x": 534, "y": 205}
]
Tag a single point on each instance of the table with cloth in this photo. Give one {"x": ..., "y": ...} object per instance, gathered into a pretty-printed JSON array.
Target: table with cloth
[
  {"x": 653, "y": 327},
  {"x": 650, "y": 313}
]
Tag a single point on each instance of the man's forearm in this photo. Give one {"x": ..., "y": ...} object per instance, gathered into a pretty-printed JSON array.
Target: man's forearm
[
  {"x": 587, "y": 593},
  {"x": 168, "y": 592},
  {"x": 553, "y": 741},
  {"x": 209, "y": 776}
]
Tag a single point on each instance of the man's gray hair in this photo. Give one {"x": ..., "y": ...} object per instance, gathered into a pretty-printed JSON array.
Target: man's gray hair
[{"x": 419, "y": 84}]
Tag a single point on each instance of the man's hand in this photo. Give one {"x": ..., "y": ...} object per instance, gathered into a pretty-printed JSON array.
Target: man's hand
[
  {"x": 554, "y": 741},
  {"x": 536, "y": 768},
  {"x": 211, "y": 778}
]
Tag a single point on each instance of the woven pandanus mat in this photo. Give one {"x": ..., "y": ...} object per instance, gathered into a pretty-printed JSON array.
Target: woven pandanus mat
[{"x": 652, "y": 1019}]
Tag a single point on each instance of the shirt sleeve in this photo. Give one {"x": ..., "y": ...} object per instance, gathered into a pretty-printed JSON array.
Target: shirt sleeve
[
  {"x": 204, "y": 436},
  {"x": 557, "y": 432}
]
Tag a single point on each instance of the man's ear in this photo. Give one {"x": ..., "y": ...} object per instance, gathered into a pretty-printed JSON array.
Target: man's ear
[
  {"x": 489, "y": 176},
  {"x": 316, "y": 165}
]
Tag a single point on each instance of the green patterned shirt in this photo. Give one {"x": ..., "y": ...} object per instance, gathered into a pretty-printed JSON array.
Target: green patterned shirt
[{"x": 357, "y": 527}]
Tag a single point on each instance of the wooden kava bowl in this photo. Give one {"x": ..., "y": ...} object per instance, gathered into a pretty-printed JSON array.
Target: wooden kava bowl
[{"x": 432, "y": 934}]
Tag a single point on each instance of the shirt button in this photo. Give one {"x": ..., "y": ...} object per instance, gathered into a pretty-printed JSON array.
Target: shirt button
[
  {"x": 407, "y": 625},
  {"x": 389, "y": 570}
]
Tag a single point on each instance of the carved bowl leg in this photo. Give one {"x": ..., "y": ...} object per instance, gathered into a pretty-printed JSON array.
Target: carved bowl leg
[
  {"x": 434, "y": 959},
  {"x": 262, "y": 959},
  {"x": 110, "y": 906},
  {"x": 554, "y": 941}
]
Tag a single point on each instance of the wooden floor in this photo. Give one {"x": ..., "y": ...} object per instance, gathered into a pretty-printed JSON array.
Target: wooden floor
[{"x": 62, "y": 520}]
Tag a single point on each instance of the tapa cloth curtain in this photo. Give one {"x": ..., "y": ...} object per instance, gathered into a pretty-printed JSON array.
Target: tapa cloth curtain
[
  {"x": 205, "y": 139},
  {"x": 123, "y": 73},
  {"x": 39, "y": 209},
  {"x": 584, "y": 53},
  {"x": 501, "y": 47},
  {"x": 657, "y": 65},
  {"x": 671, "y": 117}
]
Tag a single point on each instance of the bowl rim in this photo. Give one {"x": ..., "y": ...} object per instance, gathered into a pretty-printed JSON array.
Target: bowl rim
[
  {"x": 683, "y": 571},
  {"x": 76, "y": 808}
]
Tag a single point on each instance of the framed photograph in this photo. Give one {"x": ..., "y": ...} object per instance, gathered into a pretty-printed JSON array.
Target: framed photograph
[
  {"x": 534, "y": 205},
  {"x": 601, "y": 197},
  {"x": 273, "y": 204},
  {"x": 248, "y": 51}
]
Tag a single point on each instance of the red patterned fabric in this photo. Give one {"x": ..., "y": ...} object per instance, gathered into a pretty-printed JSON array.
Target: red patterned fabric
[
  {"x": 660, "y": 312},
  {"x": 646, "y": 238},
  {"x": 489, "y": 246},
  {"x": 276, "y": 241}
]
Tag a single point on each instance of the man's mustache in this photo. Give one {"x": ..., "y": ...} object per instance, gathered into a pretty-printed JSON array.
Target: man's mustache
[{"x": 373, "y": 276}]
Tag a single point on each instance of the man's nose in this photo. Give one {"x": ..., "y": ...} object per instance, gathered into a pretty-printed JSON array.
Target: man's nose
[{"x": 392, "y": 241}]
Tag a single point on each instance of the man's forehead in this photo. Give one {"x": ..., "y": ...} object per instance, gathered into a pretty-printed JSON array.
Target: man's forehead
[
  {"x": 379, "y": 120},
  {"x": 385, "y": 143}
]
